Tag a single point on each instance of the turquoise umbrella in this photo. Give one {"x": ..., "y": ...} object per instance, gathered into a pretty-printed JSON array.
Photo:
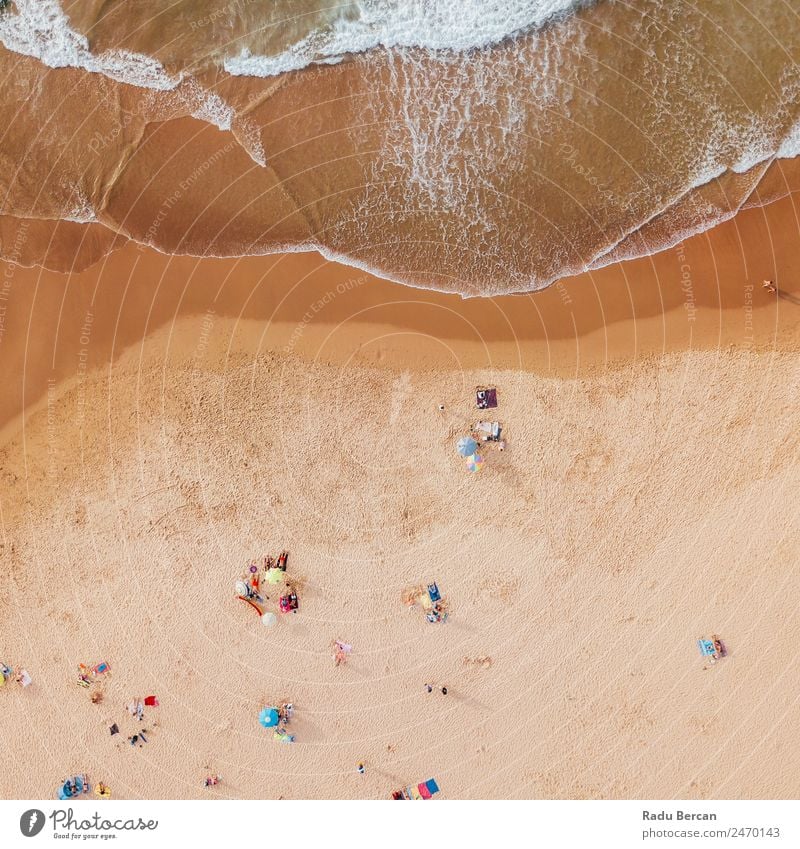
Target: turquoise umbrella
[
  {"x": 467, "y": 446},
  {"x": 269, "y": 717}
]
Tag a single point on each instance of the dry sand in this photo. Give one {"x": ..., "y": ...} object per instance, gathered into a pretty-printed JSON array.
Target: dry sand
[{"x": 645, "y": 499}]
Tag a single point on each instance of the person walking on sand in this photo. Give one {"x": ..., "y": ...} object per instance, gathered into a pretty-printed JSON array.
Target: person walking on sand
[
  {"x": 444, "y": 691},
  {"x": 361, "y": 769},
  {"x": 429, "y": 687},
  {"x": 769, "y": 286}
]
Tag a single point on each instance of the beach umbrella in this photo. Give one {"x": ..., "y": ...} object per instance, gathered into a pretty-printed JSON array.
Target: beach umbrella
[
  {"x": 269, "y": 717},
  {"x": 274, "y": 576},
  {"x": 268, "y": 619},
  {"x": 475, "y": 462},
  {"x": 466, "y": 446}
]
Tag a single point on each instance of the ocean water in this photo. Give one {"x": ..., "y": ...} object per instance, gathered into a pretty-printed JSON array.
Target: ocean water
[{"x": 478, "y": 147}]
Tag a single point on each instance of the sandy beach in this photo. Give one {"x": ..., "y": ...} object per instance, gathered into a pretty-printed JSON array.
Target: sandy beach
[
  {"x": 184, "y": 416},
  {"x": 256, "y": 259}
]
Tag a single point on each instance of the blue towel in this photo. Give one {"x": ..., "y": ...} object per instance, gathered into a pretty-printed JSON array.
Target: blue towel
[{"x": 706, "y": 647}]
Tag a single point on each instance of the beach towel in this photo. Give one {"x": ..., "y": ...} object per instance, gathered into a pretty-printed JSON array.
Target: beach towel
[
  {"x": 706, "y": 648},
  {"x": 423, "y": 791},
  {"x": 283, "y": 737},
  {"x": 433, "y": 592},
  {"x": 486, "y": 398},
  {"x": 433, "y": 787},
  {"x": 24, "y": 678},
  {"x": 101, "y": 668},
  {"x": 151, "y": 701},
  {"x": 491, "y": 429},
  {"x": 415, "y": 794}
]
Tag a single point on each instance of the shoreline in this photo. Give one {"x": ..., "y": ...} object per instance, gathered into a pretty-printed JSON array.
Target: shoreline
[{"x": 704, "y": 294}]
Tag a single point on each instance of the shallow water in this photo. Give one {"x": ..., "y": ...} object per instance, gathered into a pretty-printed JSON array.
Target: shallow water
[{"x": 471, "y": 147}]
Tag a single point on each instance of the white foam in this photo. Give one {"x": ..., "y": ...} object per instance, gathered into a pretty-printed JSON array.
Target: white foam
[
  {"x": 455, "y": 25},
  {"x": 40, "y": 29},
  {"x": 208, "y": 106}
]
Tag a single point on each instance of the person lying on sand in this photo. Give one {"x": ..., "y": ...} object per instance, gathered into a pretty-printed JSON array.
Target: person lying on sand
[
  {"x": 769, "y": 286},
  {"x": 339, "y": 653}
]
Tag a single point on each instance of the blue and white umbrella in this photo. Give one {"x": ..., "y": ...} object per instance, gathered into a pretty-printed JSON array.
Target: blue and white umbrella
[{"x": 467, "y": 446}]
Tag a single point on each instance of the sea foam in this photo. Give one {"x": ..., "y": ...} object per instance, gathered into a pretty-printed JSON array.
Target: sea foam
[
  {"x": 40, "y": 29},
  {"x": 453, "y": 25}
]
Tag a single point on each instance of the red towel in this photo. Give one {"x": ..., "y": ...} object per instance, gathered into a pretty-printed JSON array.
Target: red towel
[
  {"x": 423, "y": 790},
  {"x": 151, "y": 701}
]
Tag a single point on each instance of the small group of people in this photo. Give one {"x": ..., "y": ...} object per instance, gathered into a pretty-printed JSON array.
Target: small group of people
[
  {"x": 713, "y": 649},
  {"x": 139, "y": 739},
  {"x": 78, "y": 785},
  {"x": 249, "y": 587},
  {"x": 435, "y": 606},
  {"x": 288, "y": 602},
  {"x": 137, "y": 706},
  {"x": 20, "y": 677},
  {"x": 280, "y": 733},
  {"x": 136, "y": 709},
  {"x": 89, "y": 675},
  {"x": 74, "y": 786}
]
